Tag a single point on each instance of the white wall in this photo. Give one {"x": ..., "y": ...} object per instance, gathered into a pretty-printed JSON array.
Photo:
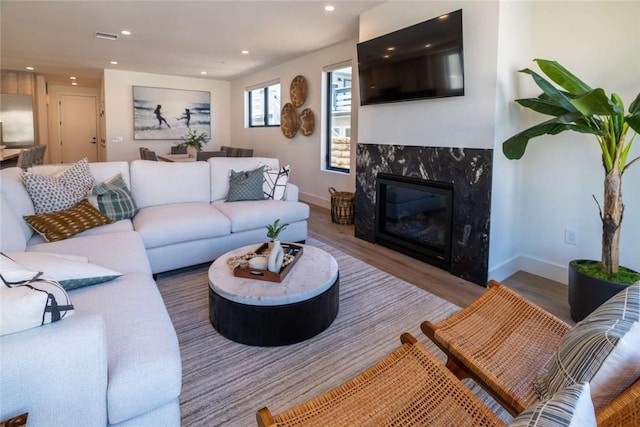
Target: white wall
[
  {"x": 466, "y": 121},
  {"x": 599, "y": 42},
  {"x": 514, "y": 45},
  {"x": 303, "y": 153},
  {"x": 119, "y": 111}
]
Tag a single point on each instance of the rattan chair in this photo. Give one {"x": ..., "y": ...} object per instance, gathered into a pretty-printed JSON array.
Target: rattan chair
[
  {"x": 502, "y": 341},
  {"x": 237, "y": 152},
  {"x": 408, "y": 387},
  {"x": 179, "y": 149},
  {"x": 31, "y": 156}
]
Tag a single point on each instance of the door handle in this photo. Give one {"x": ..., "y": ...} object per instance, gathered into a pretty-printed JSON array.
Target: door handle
[{"x": 94, "y": 140}]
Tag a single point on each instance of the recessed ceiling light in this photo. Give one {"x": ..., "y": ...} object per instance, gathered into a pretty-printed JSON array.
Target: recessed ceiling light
[
  {"x": 329, "y": 8},
  {"x": 445, "y": 16},
  {"x": 73, "y": 77},
  {"x": 114, "y": 62},
  {"x": 30, "y": 68},
  {"x": 203, "y": 73},
  {"x": 245, "y": 52},
  {"x": 391, "y": 48},
  {"x": 74, "y": 83},
  {"x": 106, "y": 36},
  {"x": 386, "y": 56},
  {"x": 125, "y": 32},
  {"x": 427, "y": 45}
]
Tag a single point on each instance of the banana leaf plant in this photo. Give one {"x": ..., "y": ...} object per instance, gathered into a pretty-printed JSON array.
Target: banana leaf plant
[{"x": 575, "y": 106}]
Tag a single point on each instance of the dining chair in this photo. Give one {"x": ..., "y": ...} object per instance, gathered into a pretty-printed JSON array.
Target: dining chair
[
  {"x": 237, "y": 152},
  {"x": 142, "y": 150},
  {"x": 179, "y": 149},
  {"x": 31, "y": 156},
  {"x": 204, "y": 155},
  {"x": 149, "y": 155}
]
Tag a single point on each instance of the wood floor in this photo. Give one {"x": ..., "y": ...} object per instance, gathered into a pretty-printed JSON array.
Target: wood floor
[{"x": 548, "y": 294}]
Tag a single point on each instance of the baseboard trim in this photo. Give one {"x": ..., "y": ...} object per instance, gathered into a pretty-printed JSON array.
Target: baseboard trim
[
  {"x": 314, "y": 200},
  {"x": 549, "y": 270},
  {"x": 505, "y": 269}
]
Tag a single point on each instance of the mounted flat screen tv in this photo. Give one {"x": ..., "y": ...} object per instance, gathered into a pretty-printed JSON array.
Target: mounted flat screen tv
[{"x": 417, "y": 62}]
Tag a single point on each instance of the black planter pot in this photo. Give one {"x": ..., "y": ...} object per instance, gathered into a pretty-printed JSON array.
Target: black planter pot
[{"x": 587, "y": 293}]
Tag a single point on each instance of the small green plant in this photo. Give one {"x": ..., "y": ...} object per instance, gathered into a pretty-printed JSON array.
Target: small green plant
[
  {"x": 195, "y": 139},
  {"x": 273, "y": 230}
]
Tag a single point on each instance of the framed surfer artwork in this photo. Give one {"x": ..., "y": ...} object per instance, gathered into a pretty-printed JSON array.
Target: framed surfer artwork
[{"x": 170, "y": 113}]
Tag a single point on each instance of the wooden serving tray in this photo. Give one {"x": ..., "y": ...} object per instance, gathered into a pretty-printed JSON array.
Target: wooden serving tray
[{"x": 258, "y": 274}]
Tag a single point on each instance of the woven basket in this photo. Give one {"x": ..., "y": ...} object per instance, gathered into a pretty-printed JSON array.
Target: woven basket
[{"x": 342, "y": 206}]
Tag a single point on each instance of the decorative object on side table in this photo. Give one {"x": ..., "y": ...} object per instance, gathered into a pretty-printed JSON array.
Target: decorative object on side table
[
  {"x": 578, "y": 107},
  {"x": 195, "y": 142}
]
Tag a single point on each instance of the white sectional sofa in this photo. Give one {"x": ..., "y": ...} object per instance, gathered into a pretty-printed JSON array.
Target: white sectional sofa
[{"x": 116, "y": 361}]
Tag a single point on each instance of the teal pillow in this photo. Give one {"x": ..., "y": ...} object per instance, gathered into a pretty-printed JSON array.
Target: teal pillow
[
  {"x": 115, "y": 199},
  {"x": 246, "y": 185}
]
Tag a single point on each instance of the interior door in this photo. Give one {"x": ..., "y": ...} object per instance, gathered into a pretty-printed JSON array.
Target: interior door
[{"x": 78, "y": 128}]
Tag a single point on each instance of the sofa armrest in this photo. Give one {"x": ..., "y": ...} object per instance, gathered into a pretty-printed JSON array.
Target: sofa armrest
[
  {"x": 291, "y": 192},
  {"x": 56, "y": 372}
]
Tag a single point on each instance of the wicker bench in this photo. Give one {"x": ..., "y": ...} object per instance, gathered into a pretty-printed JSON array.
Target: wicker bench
[
  {"x": 502, "y": 341},
  {"x": 408, "y": 387}
]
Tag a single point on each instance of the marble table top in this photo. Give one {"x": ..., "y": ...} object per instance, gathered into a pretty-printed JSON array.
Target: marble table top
[{"x": 315, "y": 272}]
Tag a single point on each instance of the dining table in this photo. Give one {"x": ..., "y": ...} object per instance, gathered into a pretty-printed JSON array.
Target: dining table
[
  {"x": 183, "y": 158},
  {"x": 9, "y": 157}
]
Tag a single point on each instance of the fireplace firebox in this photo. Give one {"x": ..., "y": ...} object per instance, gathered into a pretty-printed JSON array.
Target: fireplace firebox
[{"x": 414, "y": 216}]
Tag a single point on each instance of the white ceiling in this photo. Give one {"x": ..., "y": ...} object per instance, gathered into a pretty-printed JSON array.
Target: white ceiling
[{"x": 181, "y": 38}]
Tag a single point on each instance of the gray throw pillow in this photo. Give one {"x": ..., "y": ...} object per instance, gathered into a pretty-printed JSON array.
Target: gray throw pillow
[{"x": 246, "y": 185}]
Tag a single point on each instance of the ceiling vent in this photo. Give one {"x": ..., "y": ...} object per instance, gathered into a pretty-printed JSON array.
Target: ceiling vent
[{"x": 106, "y": 36}]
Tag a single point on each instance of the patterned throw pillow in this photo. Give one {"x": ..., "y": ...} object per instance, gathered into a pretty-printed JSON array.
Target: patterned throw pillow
[
  {"x": 51, "y": 193},
  {"x": 275, "y": 182},
  {"x": 114, "y": 199},
  {"x": 30, "y": 303},
  {"x": 61, "y": 225},
  {"x": 569, "y": 407},
  {"x": 603, "y": 350},
  {"x": 246, "y": 185}
]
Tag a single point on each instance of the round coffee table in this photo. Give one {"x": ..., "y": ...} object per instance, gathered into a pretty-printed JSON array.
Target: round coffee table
[{"x": 262, "y": 313}]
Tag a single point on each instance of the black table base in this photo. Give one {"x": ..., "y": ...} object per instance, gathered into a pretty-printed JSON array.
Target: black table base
[{"x": 266, "y": 326}]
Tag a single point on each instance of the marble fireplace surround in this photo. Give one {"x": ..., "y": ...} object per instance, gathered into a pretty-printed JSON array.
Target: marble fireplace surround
[{"x": 468, "y": 169}]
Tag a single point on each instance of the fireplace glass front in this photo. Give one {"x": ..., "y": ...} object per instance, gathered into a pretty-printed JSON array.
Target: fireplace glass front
[{"x": 413, "y": 216}]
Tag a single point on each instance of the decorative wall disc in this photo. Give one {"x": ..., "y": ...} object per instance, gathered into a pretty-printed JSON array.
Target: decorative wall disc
[
  {"x": 289, "y": 123},
  {"x": 298, "y": 91},
  {"x": 307, "y": 122}
]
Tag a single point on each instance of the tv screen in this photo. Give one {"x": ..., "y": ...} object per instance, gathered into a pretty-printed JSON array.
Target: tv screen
[{"x": 417, "y": 62}]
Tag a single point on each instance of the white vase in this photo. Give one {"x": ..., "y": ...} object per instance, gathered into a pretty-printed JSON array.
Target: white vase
[
  {"x": 191, "y": 151},
  {"x": 276, "y": 257}
]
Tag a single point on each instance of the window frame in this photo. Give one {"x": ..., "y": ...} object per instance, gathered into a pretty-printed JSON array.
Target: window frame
[
  {"x": 265, "y": 106},
  {"x": 329, "y": 120}
]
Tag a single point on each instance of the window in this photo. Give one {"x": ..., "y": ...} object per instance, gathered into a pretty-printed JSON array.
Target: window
[
  {"x": 264, "y": 106},
  {"x": 339, "y": 119}
]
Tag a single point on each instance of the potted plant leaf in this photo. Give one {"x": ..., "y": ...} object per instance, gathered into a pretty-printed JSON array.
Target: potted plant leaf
[
  {"x": 195, "y": 141},
  {"x": 575, "y": 106}
]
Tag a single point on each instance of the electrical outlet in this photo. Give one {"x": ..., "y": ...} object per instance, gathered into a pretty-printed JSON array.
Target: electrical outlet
[
  {"x": 117, "y": 139},
  {"x": 570, "y": 236}
]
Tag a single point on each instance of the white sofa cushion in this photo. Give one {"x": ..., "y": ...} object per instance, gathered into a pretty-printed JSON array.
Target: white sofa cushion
[
  {"x": 163, "y": 183},
  {"x": 181, "y": 222},
  {"x": 250, "y": 215},
  {"x": 121, "y": 251},
  {"x": 19, "y": 201},
  {"x": 222, "y": 166},
  {"x": 143, "y": 357},
  {"x": 11, "y": 236}
]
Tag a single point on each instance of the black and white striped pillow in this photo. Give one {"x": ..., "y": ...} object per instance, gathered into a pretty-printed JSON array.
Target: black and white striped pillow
[
  {"x": 603, "y": 349},
  {"x": 569, "y": 407}
]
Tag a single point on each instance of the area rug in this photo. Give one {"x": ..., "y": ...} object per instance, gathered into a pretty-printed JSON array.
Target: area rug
[{"x": 225, "y": 383}]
